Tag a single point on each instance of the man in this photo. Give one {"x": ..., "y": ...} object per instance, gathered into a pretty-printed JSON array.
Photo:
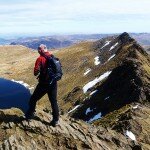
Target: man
[{"x": 44, "y": 86}]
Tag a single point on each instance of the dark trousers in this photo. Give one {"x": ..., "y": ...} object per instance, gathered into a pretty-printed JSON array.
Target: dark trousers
[{"x": 40, "y": 91}]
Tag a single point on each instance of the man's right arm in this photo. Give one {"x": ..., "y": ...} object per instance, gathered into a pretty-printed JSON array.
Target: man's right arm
[{"x": 37, "y": 66}]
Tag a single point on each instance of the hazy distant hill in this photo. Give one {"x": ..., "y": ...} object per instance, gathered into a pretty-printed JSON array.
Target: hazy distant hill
[
  {"x": 142, "y": 38},
  {"x": 35, "y": 42},
  {"x": 59, "y": 41},
  {"x": 3, "y": 41}
]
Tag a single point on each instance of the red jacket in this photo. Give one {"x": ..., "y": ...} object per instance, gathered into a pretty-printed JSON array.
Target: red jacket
[{"x": 40, "y": 64}]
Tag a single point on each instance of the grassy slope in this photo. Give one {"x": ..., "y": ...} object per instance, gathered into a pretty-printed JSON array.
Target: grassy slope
[{"x": 17, "y": 63}]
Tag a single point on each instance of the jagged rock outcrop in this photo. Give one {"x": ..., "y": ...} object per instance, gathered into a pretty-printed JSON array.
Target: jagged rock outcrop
[
  {"x": 128, "y": 82},
  {"x": 109, "y": 46},
  {"x": 17, "y": 133},
  {"x": 125, "y": 38}
]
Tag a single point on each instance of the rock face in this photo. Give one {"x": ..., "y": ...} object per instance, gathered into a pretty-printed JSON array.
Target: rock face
[
  {"x": 109, "y": 46},
  {"x": 17, "y": 133},
  {"x": 128, "y": 82},
  {"x": 125, "y": 38}
]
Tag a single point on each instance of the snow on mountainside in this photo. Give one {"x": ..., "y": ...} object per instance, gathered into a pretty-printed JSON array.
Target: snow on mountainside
[
  {"x": 125, "y": 84},
  {"x": 95, "y": 81}
]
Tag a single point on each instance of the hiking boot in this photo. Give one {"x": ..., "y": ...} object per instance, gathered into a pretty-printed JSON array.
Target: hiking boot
[{"x": 54, "y": 123}]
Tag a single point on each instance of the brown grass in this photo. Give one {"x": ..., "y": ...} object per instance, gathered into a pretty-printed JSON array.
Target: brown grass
[{"x": 17, "y": 62}]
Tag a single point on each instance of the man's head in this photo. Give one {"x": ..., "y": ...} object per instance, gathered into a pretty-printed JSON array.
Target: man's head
[{"x": 42, "y": 48}]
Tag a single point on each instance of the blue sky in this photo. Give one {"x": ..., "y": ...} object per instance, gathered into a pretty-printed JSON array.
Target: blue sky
[{"x": 73, "y": 16}]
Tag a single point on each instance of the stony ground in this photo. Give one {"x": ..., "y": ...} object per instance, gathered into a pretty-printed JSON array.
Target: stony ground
[{"x": 17, "y": 133}]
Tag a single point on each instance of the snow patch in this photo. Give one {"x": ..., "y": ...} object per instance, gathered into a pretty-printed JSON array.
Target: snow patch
[
  {"x": 135, "y": 107},
  {"x": 113, "y": 46},
  {"x": 111, "y": 57},
  {"x": 87, "y": 71},
  {"x": 130, "y": 135},
  {"x": 96, "y": 62},
  {"x": 24, "y": 84},
  {"x": 85, "y": 98},
  {"x": 31, "y": 88},
  {"x": 107, "y": 98},
  {"x": 95, "y": 81},
  {"x": 88, "y": 111},
  {"x": 73, "y": 109},
  {"x": 106, "y": 43},
  {"x": 98, "y": 116},
  {"x": 93, "y": 92}
]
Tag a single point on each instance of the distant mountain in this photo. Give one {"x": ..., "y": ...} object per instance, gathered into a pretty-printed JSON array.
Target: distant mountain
[
  {"x": 35, "y": 42},
  {"x": 59, "y": 41},
  {"x": 3, "y": 41},
  {"x": 52, "y": 42},
  {"x": 56, "y": 41},
  {"x": 142, "y": 38}
]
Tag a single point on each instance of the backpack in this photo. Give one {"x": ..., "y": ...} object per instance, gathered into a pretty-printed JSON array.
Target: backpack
[{"x": 54, "y": 68}]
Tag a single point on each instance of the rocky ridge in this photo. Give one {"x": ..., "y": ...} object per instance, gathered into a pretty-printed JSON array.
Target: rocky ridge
[
  {"x": 17, "y": 133},
  {"x": 128, "y": 82}
]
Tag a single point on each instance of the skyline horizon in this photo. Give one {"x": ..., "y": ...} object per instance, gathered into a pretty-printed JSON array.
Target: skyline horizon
[{"x": 25, "y": 35}]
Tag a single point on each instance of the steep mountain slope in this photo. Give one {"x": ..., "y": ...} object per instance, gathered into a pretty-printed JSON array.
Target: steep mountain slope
[
  {"x": 78, "y": 65},
  {"x": 128, "y": 82},
  {"x": 109, "y": 54}
]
